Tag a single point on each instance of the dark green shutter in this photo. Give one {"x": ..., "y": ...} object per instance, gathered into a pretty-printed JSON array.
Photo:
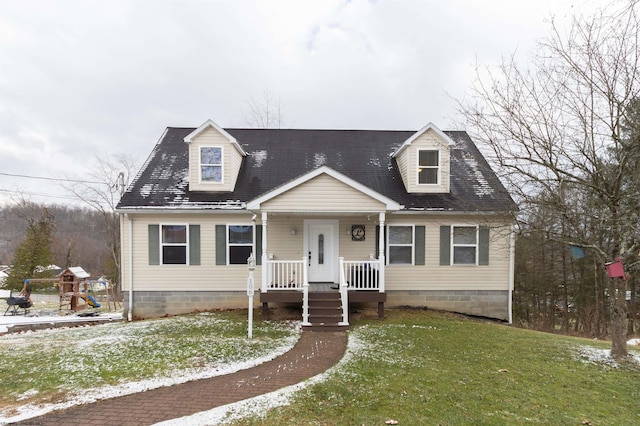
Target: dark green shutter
[
  {"x": 445, "y": 245},
  {"x": 258, "y": 253},
  {"x": 483, "y": 244},
  {"x": 377, "y": 241},
  {"x": 419, "y": 245},
  {"x": 194, "y": 244},
  {"x": 221, "y": 244},
  {"x": 154, "y": 244}
]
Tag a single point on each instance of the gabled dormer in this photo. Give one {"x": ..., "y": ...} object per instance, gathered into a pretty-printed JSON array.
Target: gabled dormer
[
  {"x": 424, "y": 161},
  {"x": 215, "y": 158}
]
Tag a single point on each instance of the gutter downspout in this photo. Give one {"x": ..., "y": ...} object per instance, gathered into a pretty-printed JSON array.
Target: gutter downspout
[
  {"x": 512, "y": 255},
  {"x": 130, "y": 243}
]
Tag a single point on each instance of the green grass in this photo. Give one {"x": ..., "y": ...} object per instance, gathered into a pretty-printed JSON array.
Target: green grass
[
  {"x": 416, "y": 367},
  {"x": 50, "y": 366},
  {"x": 419, "y": 367}
]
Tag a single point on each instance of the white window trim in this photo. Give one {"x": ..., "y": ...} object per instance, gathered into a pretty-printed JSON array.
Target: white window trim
[
  {"x": 253, "y": 243},
  {"x": 439, "y": 174},
  {"x": 412, "y": 245},
  {"x": 206, "y": 182},
  {"x": 476, "y": 245},
  {"x": 185, "y": 244}
]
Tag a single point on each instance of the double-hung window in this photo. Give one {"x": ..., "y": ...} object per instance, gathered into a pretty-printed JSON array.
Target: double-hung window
[
  {"x": 464, "y": 245},
  {"x": 174, "y": 244},
  {"x": 400, "y": 244},
  {"x": 239, "y": 243},
  {"x": 211, "y": 164},
  {"x": 428, "y": 166}
]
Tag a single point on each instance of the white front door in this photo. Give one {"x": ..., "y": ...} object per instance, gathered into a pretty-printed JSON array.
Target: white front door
[{"x": 322, "y": 249}]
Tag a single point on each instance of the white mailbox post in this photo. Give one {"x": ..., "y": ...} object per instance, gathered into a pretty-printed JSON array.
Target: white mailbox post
[{"x": 251, "y": 264}]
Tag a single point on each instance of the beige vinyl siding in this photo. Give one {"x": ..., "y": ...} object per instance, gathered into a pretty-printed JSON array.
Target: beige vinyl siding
[
  {"x": 409, "y": 157},
  {"x": 402, "y": 161},
  {"x": 284, "y": 246},
  {"x": 323, "y": 193},
  {"x": 204, "y": 277},
  {"x": 280, "y": 243},
  {"x": 433, "y": 276},
  {"x": 232, "y": 160}
]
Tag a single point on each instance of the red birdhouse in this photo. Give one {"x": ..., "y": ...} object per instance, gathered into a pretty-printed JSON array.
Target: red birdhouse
[{"x": 615, "y": 269}]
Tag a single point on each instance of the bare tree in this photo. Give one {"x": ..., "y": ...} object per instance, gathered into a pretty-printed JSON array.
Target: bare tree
[
  {"x": 115, "y": 174},
  {"x": 265, "y": 112},
  {"x": 557, "y": 129}
]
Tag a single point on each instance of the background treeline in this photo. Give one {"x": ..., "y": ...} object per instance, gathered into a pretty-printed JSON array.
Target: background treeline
[
  {"x": 555, "y": 291},
  {"x": 79, "y": 235}
]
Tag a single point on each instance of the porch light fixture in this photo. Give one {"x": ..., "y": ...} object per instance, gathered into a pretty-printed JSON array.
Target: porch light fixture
[{"x": 294, "y": 231}]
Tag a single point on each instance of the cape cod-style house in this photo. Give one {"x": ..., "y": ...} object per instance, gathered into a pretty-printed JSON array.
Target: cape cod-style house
[{"x": 402, "y": 218}]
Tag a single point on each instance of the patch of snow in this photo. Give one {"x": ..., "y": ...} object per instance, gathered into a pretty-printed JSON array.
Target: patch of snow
[
  {"x": 480, "y": 186},
  {"x": 8, "y": 321},
  {"x": 375, "y": 162},
  {"x": 146, "y": 190},
  {"x": 259, "y": 405},
  {"x": 259, "y": 157},
  {"x": 87, "y": 396},
  {"x": 591, "y": 355},
  {"x": 319, "y": 159}
]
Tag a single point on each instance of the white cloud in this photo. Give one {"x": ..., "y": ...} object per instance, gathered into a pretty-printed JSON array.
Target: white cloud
[{"x": 80, "y": 79}]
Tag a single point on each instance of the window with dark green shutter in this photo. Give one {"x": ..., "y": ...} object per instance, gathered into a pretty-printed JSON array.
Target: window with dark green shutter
[
  {"x": 234, "y": 244},
  {"x": 174, "y": 244},
  {"x": 464, "y": 245}
]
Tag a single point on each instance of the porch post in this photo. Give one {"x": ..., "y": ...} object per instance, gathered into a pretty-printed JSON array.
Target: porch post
[
  {"x": 265, "y": 266},
  {"x": 381, "y": 220}
]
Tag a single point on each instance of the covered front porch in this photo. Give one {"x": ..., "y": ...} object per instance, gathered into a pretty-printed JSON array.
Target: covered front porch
[
  {"x": 322, "y": 228},
  {"x": 343, "y": 264}
]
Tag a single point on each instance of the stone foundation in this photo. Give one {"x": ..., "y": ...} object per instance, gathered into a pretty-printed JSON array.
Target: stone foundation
[
  {"x": 483, "y": 303},
  {"x": 153, "y": 304}
]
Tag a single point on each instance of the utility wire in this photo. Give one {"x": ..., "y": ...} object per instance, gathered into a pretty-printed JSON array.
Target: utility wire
[
  {"x": 38, "y": 195},
  {"x": 53, "y": 179}
]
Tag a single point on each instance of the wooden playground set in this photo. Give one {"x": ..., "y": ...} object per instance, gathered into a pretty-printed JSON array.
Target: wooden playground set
[{"x": 77, "y": 292}]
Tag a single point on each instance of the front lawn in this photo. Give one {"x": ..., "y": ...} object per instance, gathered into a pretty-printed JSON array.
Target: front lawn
[
  {"x": 69, "y": 366},
  {"x": 420, "y": 367},
  {"x": 415, "y": 367}
]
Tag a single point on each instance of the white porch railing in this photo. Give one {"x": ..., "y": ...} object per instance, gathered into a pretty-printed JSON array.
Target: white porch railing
[
  {"x": 363, "y": 274},
  {"x": 285, "y": 275},
  {"x": 294, "y": 275},
  {"x": 288, "y": 275}
]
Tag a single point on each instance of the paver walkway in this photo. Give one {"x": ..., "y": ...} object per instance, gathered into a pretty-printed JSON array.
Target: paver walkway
[{"x": 314, "y": 353}]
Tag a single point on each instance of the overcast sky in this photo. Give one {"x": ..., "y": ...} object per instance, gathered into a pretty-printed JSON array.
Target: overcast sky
[{"x": 85, "y": 80}]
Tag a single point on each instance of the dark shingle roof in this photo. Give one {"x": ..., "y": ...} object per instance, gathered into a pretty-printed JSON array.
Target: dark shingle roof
[{"x": 278, "y": 156}]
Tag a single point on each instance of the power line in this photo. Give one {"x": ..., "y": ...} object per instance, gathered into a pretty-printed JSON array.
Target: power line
[
  {"x": 68, "y": 197},
  {"x": 52, "y": 179}
]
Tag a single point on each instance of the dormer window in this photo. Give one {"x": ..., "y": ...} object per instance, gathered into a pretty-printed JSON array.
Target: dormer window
[
  {"x": 428, "y": 166},
  {"x": 211, "y": 164}
]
